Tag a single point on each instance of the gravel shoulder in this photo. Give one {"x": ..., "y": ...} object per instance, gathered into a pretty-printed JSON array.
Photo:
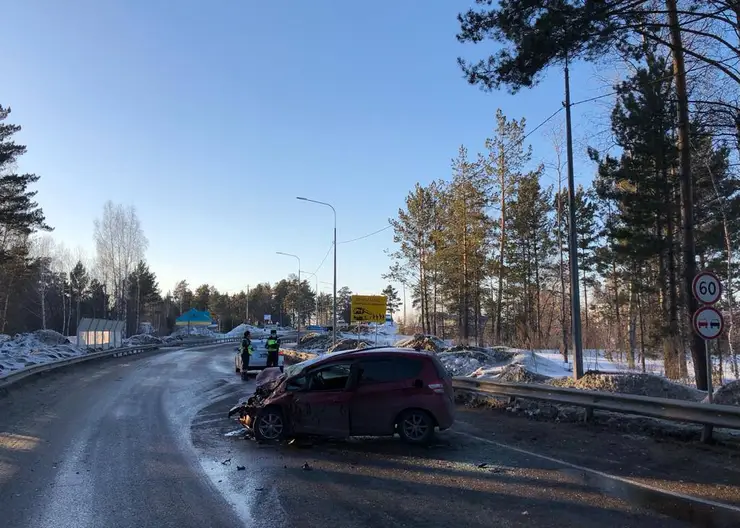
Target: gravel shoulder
[{"x": 662, "y": 461}]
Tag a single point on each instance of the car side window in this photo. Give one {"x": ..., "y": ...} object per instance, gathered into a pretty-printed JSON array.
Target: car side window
[
  {"x": 388, "y": 370},
  {"x": 333, "y": 377},
  {"x": 297, "y": 384}
]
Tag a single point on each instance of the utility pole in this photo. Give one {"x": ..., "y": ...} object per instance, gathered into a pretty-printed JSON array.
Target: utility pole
[
  {"x": 246, "y": 320},
  {"x": 575, "y": 294}
]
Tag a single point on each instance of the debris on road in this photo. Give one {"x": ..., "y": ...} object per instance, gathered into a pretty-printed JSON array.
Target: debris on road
[
  {"x": 240, "y": 468},
  {"x": 306, "y": 467},
  {"x": 226, "y": 462}
]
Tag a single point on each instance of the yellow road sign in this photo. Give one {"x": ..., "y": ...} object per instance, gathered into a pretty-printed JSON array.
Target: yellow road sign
[{"x": 368, "y": 308}]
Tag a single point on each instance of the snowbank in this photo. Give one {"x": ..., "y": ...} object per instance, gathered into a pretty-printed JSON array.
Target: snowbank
[
  {"x": 632, "y": 383},
  {"x": 501, "y": 363},
  {"x": 200, "y": 331},
  {"x": 41, "y": 346},
  {"x": 239, "y": 331},
  {"x": 142, "y": 339}
]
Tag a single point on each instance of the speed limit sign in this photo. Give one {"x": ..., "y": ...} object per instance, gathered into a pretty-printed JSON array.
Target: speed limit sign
[{"x": 706, "y": 287}]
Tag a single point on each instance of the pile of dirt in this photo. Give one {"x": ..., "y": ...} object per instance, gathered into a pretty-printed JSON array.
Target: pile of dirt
[
  {"x": 348, "y": 344},
  {"x": 728, "y": 394},
  {"x": 516, "y": 373},
  {"x": 631, "y": 383},
  {"x": 422, "y": 342},
  {"x": 50, "y": 337},
  {"x": 314, "y": 341}
]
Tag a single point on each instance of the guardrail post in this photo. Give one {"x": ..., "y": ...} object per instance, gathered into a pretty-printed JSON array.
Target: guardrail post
[
  {"x": 706, "y": 433},
  {"x": 588, "y": 416}
]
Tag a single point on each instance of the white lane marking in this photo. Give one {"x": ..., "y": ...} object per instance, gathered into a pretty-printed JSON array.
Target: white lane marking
[{"x": 601, "y": 474}]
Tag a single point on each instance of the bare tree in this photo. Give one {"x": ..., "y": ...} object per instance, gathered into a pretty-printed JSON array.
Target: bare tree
[
  {"x": 42, "y": 249},
  {"x": 120, "y": 244}
]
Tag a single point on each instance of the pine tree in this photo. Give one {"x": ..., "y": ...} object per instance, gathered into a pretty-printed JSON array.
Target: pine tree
[
  {"x": 414, "y": 232},
  {"x": 79, "y": 282},
  {"x": 531, "y": 250},
  {"x": 392, "y": 299},
  {"x": 463, "y": 242},
  {"x": 505, "y": 159}
]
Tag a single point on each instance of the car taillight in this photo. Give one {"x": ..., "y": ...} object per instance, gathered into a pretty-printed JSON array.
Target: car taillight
[
  {"x": 439, "y": 388},
  {"x": 281, "y": 353}
]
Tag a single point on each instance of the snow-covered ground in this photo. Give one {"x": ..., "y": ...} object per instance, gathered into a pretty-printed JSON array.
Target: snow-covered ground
[
  {"x": 41, "y": 346},
  {"x": 506, "y": 364}
]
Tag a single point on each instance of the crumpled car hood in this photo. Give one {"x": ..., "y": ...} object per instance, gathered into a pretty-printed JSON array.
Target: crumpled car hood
[{"x": 267, "y": 382}]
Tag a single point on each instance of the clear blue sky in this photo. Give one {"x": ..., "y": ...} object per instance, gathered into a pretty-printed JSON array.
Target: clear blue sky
[{"x": 211, "y": 117}]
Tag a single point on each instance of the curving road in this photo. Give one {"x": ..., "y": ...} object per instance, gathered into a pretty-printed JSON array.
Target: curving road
[{"x": 143, "y": 442}]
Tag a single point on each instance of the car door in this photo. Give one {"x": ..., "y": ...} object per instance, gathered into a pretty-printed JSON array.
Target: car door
[
  {"x": 323, "y": 408},
  {"x": 383, "y": 388}
]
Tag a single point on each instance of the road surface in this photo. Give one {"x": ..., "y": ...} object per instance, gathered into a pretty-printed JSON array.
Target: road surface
[{"x": 143, "y": 442}]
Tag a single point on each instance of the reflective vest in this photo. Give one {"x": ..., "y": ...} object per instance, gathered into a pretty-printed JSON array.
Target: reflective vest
[
  {"x": 250, "y": 348},
  {"x": 272, "y": 344}
]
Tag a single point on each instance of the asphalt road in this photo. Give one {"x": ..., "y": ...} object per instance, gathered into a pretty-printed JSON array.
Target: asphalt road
[{"x": 142, "y": 442}]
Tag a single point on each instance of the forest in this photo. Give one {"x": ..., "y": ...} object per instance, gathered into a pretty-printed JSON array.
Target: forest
[{"x": 484, "y": 251}]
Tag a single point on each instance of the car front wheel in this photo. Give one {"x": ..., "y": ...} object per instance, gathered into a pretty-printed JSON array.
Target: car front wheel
[
  {"x": 269, "y": 425},
  {"x": 415, "y": 426}
]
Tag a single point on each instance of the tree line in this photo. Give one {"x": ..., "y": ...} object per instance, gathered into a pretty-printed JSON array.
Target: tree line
[{"x": 484, "y": 252}]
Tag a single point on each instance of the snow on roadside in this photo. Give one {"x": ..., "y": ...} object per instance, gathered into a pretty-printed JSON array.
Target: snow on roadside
[
  {"x": 499, "y": 363},
  {"x": 142, "y": 339},
  {"x": 41, "y": 346}
]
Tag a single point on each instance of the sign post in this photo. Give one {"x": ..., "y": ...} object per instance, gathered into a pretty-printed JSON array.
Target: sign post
[{"x": 708, "y": 323}]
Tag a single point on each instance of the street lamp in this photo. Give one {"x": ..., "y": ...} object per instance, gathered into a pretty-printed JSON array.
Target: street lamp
[
  {"x": 334, "y": 325},
  {"x": 298, "y": 316}
]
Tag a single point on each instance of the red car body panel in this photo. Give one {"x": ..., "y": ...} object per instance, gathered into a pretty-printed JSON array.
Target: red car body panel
[{"x": 370, "y": 408}]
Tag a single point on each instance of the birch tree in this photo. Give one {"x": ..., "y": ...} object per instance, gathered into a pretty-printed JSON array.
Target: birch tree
[{"x": 120, "y": 244}]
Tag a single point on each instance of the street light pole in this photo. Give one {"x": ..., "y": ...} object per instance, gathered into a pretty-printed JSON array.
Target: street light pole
[
  {"x": 298, "y": 291},
  {"x": 334, "y": 323}
]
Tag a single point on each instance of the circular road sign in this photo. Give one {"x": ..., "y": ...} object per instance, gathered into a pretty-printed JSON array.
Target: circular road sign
[
  {"x": 706, "y": 287},
  {"x": 708, "y": 322}
]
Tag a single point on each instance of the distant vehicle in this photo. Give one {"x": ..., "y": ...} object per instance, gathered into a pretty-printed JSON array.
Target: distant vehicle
[
  {"x": 258, "y": 360},
  {"x": 367, "y": 392}
]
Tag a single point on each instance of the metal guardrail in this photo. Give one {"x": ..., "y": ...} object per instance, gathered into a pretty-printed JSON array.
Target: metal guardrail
[
  {"x": 676, "y": 410},
  {"x": 17, "y": 375}
]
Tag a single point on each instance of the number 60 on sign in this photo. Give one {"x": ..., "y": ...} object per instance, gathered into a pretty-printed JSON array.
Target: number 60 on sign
[{"x": 706, "y": 287}]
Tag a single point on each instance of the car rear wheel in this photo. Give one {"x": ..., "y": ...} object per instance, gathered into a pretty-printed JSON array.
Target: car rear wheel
[
  {"x": 415, "y": 426},
  {"x": 269, "y": 425}
]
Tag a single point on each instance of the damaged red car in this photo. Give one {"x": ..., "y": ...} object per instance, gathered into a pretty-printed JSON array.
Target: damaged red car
[{"x": 368, "y": 392}]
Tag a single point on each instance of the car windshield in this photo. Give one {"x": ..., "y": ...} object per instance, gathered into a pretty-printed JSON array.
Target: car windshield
[{"x": 294, "y": 370}]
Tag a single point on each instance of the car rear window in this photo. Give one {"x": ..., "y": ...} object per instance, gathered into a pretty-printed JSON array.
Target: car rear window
[
  {"x": 442, "y": 372},
  {"x": 384, "y": 370}
]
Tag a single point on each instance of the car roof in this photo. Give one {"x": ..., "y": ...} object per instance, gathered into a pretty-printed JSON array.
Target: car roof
[{"x": 372, "y": 351}]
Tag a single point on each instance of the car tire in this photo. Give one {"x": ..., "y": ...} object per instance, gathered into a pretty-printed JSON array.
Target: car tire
[
  {"x": 269, "y": 425},
  {"x": 415, "y": 426}
]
